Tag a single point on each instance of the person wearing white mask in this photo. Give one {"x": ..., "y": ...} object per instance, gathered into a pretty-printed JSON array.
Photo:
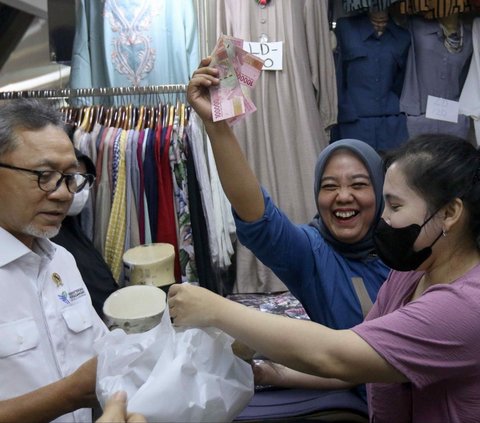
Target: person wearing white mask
[
  {"x": 78, "y": 203},
  {"x": 94, "y": 270}
]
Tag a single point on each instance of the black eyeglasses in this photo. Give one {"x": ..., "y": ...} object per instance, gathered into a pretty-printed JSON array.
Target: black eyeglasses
[{"x": 50, "y": 180}]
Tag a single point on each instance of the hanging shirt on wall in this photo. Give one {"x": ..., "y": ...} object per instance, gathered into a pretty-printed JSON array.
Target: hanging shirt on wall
[
  {"x": 433, "y": 9},
  {"x": 370, "y": 74},
  {"x": 365, "y": 5},
  {"x": 433, "y": 70},
  {"x": 134, "y": 43},
  {"x": 470, "y": 96}
]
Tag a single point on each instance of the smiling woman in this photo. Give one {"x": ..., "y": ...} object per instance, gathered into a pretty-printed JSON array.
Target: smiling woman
[
  {"x": 419, "y": 344},
  {"x": 346, "y": 200},
  {"x": 318, "y": 261},
  {"x": 348, "y": 188},
  {"x": 329, "y": 264}
]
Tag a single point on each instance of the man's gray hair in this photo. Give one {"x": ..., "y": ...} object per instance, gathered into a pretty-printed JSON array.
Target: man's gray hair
[{"x": 25, "y": 114}]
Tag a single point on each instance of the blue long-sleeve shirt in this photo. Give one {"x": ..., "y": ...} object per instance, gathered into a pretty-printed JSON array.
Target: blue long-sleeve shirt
[
  {"x": 313, "y": 271},
  {"x": 370, "y": 69}
]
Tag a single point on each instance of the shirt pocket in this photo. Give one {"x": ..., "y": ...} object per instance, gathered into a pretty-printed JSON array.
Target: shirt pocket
[
  {"x": 351, "y": 55},
  {"x": 77, "y": 317},
  {"x": 18, "y": 336}
]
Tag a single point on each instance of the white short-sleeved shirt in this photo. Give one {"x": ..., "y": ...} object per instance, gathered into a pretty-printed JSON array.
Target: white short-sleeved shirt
[{"x": 47, "y": 322}]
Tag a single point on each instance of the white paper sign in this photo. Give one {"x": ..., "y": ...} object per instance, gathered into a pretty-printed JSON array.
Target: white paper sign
[
  {"x": 271, "y": 53},
  {"x": 442, "y": 109}
]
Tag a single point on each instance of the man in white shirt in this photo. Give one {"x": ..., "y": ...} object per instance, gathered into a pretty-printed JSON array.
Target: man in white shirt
[{"x": 47, "y": 322}]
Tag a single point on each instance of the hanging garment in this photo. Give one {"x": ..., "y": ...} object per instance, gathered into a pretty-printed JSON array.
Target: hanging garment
[
  {"x": 132, "y": 237},
  {"x": 178, "y": 163},
  {"x": 209, "y": 274},
  {"x": 296, "y": 105},
  {"x": 433, "y": 70},
  {"x": 222, "y": 210},
  {"x": 103, "y": 200},
  {"x": 142, "y": 179},
  {"x": 220, "y": 234},
  {"x": 366, "y": 5},
  {"x": 115, "y": 241},
  {"x": 115, "y": 158},
  {"x": 200, "y": 238},
  {"x": 133, "y": 43},
  {"x": 82, "y": 141},
  {"x": 433, "y": 9},
  {"x": 141, "y": 187},
  {"x": 370, "y": 73},
  {"x": 151, "y": 181},
  {"x": 166, "y": 224},
  {"x": 147, "y": 179},
  {"x": 470, "y": 96}
]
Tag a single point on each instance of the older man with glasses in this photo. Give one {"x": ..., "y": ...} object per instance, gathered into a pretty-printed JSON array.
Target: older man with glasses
[{"x": 47, "y": 322}]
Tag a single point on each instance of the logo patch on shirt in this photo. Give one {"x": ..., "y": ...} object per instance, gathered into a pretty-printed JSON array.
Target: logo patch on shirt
[
  {"x": 76, "y": 294},
  {"x": 64, "y": 297}
]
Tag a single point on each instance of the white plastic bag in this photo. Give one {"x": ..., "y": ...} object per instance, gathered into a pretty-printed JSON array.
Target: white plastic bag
[{"x": 175, "y": 375}]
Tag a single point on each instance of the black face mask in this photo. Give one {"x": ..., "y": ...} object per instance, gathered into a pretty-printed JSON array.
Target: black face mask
[{"x": 395, "y": 245}]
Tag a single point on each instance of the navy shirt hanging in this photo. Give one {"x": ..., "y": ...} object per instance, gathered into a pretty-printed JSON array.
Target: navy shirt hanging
[{"x": 370, "y": 73}]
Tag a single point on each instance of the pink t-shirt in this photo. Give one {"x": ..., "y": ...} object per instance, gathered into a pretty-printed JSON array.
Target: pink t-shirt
[{"x": 435, "y": 342}]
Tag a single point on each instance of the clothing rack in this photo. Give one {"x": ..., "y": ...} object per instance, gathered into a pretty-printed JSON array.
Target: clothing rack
[{"x": 94, "y": 92}]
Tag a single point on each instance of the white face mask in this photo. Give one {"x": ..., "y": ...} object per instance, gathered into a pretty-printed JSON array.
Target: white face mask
[{"x": 79, "y": 201}]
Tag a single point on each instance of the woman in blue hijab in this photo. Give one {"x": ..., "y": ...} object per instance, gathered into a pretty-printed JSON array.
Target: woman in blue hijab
[{"x": 330, "y": 264}]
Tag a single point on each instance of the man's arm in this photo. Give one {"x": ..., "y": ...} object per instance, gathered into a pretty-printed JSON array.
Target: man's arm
[{"x": 51, "y": 401}]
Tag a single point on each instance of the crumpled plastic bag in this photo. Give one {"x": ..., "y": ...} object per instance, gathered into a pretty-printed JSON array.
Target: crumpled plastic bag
[{"x": 174, "y": 374}]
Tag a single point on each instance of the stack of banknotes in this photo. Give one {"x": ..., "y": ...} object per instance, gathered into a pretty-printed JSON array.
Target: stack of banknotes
[{"x": 238, "y": 73}]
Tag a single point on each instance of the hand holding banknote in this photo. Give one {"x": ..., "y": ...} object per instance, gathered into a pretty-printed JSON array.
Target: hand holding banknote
[
  {"x": 222, "y": 82},
  {"x": 198, "y": 92},
  {"x": 238, "y": 72},
  {"x": 227, "y": 97}
]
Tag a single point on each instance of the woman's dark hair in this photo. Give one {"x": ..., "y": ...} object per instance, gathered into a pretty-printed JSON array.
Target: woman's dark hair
[{"x": 440, "y": 168}]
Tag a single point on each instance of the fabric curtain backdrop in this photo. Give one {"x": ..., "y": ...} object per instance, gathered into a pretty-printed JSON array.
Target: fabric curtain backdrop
[{"x": 283, "y": 138}]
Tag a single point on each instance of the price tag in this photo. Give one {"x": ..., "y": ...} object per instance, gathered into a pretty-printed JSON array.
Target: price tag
[
  {"x": 271, "y": 53},
  {"x": 442, "y": 109}
]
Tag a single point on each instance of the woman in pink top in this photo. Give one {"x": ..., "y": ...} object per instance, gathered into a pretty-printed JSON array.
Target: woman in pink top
[{"x": 419, "y": 348}]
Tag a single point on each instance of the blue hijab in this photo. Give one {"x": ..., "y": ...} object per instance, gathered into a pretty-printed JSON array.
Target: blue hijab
[{"x": 362, "y": 249}]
